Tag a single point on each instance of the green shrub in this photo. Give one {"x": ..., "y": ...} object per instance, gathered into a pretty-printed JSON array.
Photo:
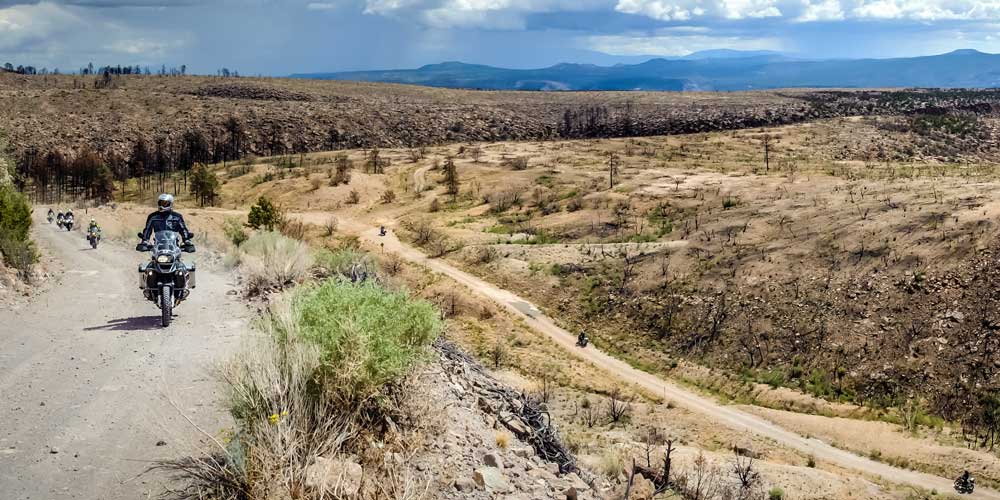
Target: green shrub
[
  {"x": 234, "y": 231},
  {"x": 340, "y": 261},
  {"x": 264, "y": 215},
  {"x": 367, "y": 336},
  {"x": 15, "y": 221},
  {"x": 776, "y": 493}
]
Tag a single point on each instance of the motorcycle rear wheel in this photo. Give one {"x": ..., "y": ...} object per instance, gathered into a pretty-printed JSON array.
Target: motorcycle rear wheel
[{"x": 166, "y": 305}]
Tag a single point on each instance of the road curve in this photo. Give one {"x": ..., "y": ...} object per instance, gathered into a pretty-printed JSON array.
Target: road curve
[
  {"x": 91, "y": 387},
  {"x": 726, "y": 415}
]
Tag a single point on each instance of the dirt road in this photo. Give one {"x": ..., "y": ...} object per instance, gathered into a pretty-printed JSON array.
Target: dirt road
[
  {"x": 89, "y": 380},
  {"x": 722, "y": 414}
]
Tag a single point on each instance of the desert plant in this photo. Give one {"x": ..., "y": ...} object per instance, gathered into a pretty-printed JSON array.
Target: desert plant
[
  {"x": 776, "y": 493},
  {"x": 330, "y": 226},
  {"x": 293, "y": 228},
  {"x": 15, "y": 221},
  {"x": 353, "y": 198},
  {"x": 367, "y": 336},
  {"x": 233, "y": 229},
  {"x": 270, "y": 260},
  {"x": 388, "y": 196},
  {"x": 204, "y": 184}
]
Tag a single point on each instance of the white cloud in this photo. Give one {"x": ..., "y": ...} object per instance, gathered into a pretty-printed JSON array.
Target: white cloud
[
  {"x": 666, "y": 44},
  {"x": 813, "y": 10},
  {"x": 489, "y": 14}
]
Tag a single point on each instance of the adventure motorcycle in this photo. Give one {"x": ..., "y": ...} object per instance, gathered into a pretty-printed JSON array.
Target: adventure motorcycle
[
  {"x": 93, "y": 236},
  {"x": 965, "y": 485},
  {"x": 59, "y": 221},
  {"x": 49, "y": 218},
  {"x": 166, "y": 280},
  {"x": 68, "y": 223},
  {"x": 582, "y": 341}
]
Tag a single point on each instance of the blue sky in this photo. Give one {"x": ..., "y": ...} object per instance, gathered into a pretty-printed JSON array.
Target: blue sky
[{"x": 277, "y": 37}]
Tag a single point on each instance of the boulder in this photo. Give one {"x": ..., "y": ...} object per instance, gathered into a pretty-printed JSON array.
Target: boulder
[
  {"x": 491, "y": 460},
  {"x": 334, "y": 476},
  {"x": 465, "y": 484},
  {"x": 492, "y": 479}
]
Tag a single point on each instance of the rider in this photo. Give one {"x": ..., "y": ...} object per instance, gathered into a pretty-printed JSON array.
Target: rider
[
  {"x": 165, "y": 219},
  {"x": 93, "y": 227},
  {"x": 51, "y": 213},
  {"x": 580, "y": 339}
]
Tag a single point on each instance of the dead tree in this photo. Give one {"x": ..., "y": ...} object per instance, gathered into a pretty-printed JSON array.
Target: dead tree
[{"x": 618, "y": 406}]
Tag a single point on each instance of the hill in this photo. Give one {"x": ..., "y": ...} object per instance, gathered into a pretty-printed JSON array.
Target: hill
[{"x": 709, "y": 70}]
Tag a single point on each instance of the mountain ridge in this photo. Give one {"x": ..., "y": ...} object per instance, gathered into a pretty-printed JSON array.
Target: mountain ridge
[{"x": 722, "y": 70}]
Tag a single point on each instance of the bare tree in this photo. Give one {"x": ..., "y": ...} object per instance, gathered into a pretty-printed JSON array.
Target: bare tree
[
  {"x": 614, "y": 164},
  {"x": 618, "y": 405}
]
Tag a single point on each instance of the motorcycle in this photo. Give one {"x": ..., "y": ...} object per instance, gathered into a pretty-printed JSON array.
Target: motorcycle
[
  {"x": 49, "y": 218},
  {"x": 68, "y": 223},
  {"x": 166, "y": 280},
  {"x": 59, "y": 221},
  {"x": 93, "y": 236},
  {"x": 582, "y": 341},
  {"x": 965, "y": 486}
]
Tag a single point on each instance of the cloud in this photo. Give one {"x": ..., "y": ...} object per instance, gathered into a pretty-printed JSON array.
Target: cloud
[
  {"x": 484, "y": 14},
  {"x": 813, "y": 10},
  {"x": 668, "y": 43}
]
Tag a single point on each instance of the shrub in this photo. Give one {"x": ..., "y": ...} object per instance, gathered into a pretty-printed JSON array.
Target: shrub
[
  {"x": 234, "y": 231},
  {"x": 204, "y": 185},
  {"x": 388, "y": 196},
  {"x": 15, "y": 221},
  {"x": 776, "y": 493},
  {"x": 270, "y": 260},
  {"x": 353, "y": 198},
  {"x": 367, "y": 336},
  {"x": 341, "y": 261},
  {"x": 293, "y": 228},
  {"x": 265, "y": 215}
]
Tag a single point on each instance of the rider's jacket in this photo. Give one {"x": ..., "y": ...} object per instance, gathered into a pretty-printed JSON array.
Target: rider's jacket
[
  {"x": 165, "y": 221},
  {"x": 94, "y": 227}
]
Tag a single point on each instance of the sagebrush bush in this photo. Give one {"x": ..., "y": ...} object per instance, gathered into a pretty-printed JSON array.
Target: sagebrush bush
[
  {"x": 234, "y": 231},
  {"x": 269, "y": 259},
  {"x": 367, "y": 336},
  {"x": 341, "y": 260}
]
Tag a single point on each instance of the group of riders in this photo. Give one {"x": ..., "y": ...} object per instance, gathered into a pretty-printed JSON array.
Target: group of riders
[
  {"x": 164, "y": 218},
  {"x": 66, "y": 221}
]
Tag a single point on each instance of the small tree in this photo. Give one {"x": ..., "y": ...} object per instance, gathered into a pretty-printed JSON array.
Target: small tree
[
  {"x": 614, "y": 164},
  {"x": 264, "y": 214},
  {"x": 204, "y": 184},
  {"x": 450, "y": 179},
  {"x": 476, "y": 153}
]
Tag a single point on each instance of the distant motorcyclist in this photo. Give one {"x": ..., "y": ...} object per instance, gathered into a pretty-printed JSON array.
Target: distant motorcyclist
[
  {"x": 165, "y": 219},
  {"x": 93, "y": 226},
  {"x": 49, "y": 216},
  {"x": 582, "y": 340},
  {"x": 965, "y": 484}
]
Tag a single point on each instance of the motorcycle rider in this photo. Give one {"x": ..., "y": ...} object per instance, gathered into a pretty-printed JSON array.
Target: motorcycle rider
[
  {"x": 165, "y": 219},
  {"x": 50, "y": 215},
  {"x": 581, "y": 340},
  {"x": 967, "y": 480},
  {"x": 59, "y": 219},
  {"x": 93, "y": 227}
]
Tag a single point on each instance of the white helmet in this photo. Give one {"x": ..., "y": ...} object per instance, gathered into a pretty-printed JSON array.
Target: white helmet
[{"x": 165, "y": 202}]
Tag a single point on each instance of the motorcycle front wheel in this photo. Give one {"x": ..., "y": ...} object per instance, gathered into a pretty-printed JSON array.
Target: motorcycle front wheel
[
  {"x": 166, "y": 305},
  {"x": 93, "y": 243}
]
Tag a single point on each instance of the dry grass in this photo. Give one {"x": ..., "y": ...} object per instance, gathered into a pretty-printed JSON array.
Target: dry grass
[{"x": 271, "y": 260}]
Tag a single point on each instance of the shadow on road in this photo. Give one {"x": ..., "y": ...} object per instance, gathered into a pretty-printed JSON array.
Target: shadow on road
[{"x": 128, "y": 324}]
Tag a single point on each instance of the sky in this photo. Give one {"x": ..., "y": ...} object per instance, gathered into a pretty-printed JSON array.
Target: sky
[{"x": 280, "y": 37}]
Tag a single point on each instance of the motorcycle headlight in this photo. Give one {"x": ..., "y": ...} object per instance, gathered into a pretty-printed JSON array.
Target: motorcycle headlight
[{"x": 164, "y": 259}]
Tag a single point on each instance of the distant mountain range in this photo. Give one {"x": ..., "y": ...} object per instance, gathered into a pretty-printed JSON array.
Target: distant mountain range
[{"x": 707, "y": 70}]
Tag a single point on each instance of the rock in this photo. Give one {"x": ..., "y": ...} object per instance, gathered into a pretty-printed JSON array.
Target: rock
[
  {"x": 492, "y": 460},
  {"x": 523, "y": 451},
  {"x": 642, "y": 489},
  {"x": 161, "y": 443},
  {"x": 492, "y": 479},
  {"x": 576, "y": 482},
  {"x": 552, "y": 467},
  {"x": 53, "y": 450},
  {"x": 465, "y": 484},
  {"x": 571, "y": 493},
  {"x": 336, "y": 477}
]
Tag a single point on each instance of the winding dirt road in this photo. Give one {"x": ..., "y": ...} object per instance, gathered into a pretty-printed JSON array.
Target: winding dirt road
[
  {"x": 724, "y": 415},
  {"x": 92, "y": 388}
]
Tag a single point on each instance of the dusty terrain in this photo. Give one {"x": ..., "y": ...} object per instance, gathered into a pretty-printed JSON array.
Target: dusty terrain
[
  {"x": 94, "y": 389},
  {"x": 858, "y": 244}
]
